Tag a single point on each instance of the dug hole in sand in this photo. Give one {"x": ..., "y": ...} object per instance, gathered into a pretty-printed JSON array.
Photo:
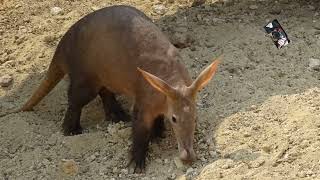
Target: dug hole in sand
[{"x": 257, "y": 119}]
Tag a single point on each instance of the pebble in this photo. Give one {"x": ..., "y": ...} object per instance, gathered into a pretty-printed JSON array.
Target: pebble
[
  {"x": 124, "y": 171},
  {"x": 181, "y": 40},
  {"x": 173, "y": 176},
  {"x": 49, "y": 39},
  {"x": 56, "y": 10},
  {"x": 253, "y": 7},
  {"x": 166, "y": 161},
  {"x": 302, "y": 174},
  {"x": 203, "y": 159},
  {"x": 178, "y": 163},
  {"x": 6, "y": 80},
  {"x": 209, "y": 44},
  {"x": 189, "y": 171},
  {"x": 314, "y": 64},
  {"x": 92, "y": 157},
  {"x": 253, "y": 107},
  {"x": 70, "y": 167},
  {"x": 52, "y": 140},
  {"x": 46, "y": 162},
  {"x": 159, "y": 9},
  {"x": 213, "y": 154},
  {"x": 246, "y": 134},
  {"x": 228, "y": 164},
  {"x": 193, "y": 48},
  {"x": 199, "y": 17},
  {"x": 257, "y": 163},
  {"x": 20, "y": 40},
  {"x": 266, "y": 148},
  {"x": 95, "y": 8},
  {"x": 159, "y": 161},
  {"x": 198, "y": 3},
  {"x": 312, "y": 8},
  {"x": 183, "y": 177}
]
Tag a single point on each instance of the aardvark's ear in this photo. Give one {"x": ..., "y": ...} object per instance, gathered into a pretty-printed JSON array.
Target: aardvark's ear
[
  {"x": 204, "y": 77},
  {"x": 158, "y": 84}
]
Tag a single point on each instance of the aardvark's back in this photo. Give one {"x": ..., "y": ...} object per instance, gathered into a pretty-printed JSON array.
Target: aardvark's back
[{"x": 110, "y": 44}]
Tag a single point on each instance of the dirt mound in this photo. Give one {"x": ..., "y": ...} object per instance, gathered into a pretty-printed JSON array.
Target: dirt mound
[{"x": 277, "y": 140}]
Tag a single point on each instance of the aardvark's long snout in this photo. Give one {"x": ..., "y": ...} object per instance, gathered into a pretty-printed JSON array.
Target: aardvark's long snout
[
  {"x": 185, "y": 146},
  {"x": 187, "y": 155}
]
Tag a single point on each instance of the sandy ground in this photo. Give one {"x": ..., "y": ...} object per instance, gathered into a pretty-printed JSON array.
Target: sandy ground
[{"x": 258, "y": 118}]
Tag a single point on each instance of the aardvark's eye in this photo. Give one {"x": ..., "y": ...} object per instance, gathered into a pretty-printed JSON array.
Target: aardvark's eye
[{"x": 174, "y": 119}]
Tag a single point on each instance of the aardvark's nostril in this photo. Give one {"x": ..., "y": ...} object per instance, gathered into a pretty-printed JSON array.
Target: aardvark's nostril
[{"x": 187, "y": 155}]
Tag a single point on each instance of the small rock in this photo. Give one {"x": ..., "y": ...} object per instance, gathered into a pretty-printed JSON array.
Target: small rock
[
  {"x": 124, "y": 133},
  {"x": 311, "y": 7},
  {"x": 283, "y": 1},
  {"x": 172, "y": 176},
  {"x": 170, "y": 1},
  {"x": 19, "y": 40},
  {"x": 200, "y": 105},
  {"x": 159, "y": 9},
  {"x": 253, "y": 7},
  {"x": 42, "y": 55},
  {"x": 193, "y": 48},
  {"x": 85, "y": 169},
  {"x": 246, "y": 134},
  {"x": 183, "y": 177},
  {"x": 207, "y": 20},
  {"x": 52, "y": 140},
  {"x": 217, "y": 20},
  {"x": 46, "y": 162},
  {"x": 6, "y": 80},
  {"x": 92, "y": 157},
  {"x": 266, "y": 148},
  {"x": 56, "y": 10},
  {"x": 115, "y": 170},
  {"x": 49, "y": 39},
  {"x": 166, "y": 161},
  {"x": 228, "y": 2},
  {"x": 124, "y": 171},
  {"x": 203, "y": 159},
  {"x": 199, "y": 17},
  {"x": 178, "y": 163},
  {"x": 181, "y": 40},
  {"x": 209, "y": 44},
  {"x": 275, "y": 11},
  {"x": 70, "y": 167},
  {"x": 309, "y": 172},
  {"x": 314, "y": 64},
  {"x": 189, "y": 171},
  {"x": 228, "y": 164},
  {"x": 257, "y": 163},
  {"x": 302, "y": 174},
  {"x": 225, "y": 166},
  {"x": 198, "y": 3},
  {"x": 159, "y": 161},
  {"x": 213, "y": 154},
  {"x": 94, "y": 8}
]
